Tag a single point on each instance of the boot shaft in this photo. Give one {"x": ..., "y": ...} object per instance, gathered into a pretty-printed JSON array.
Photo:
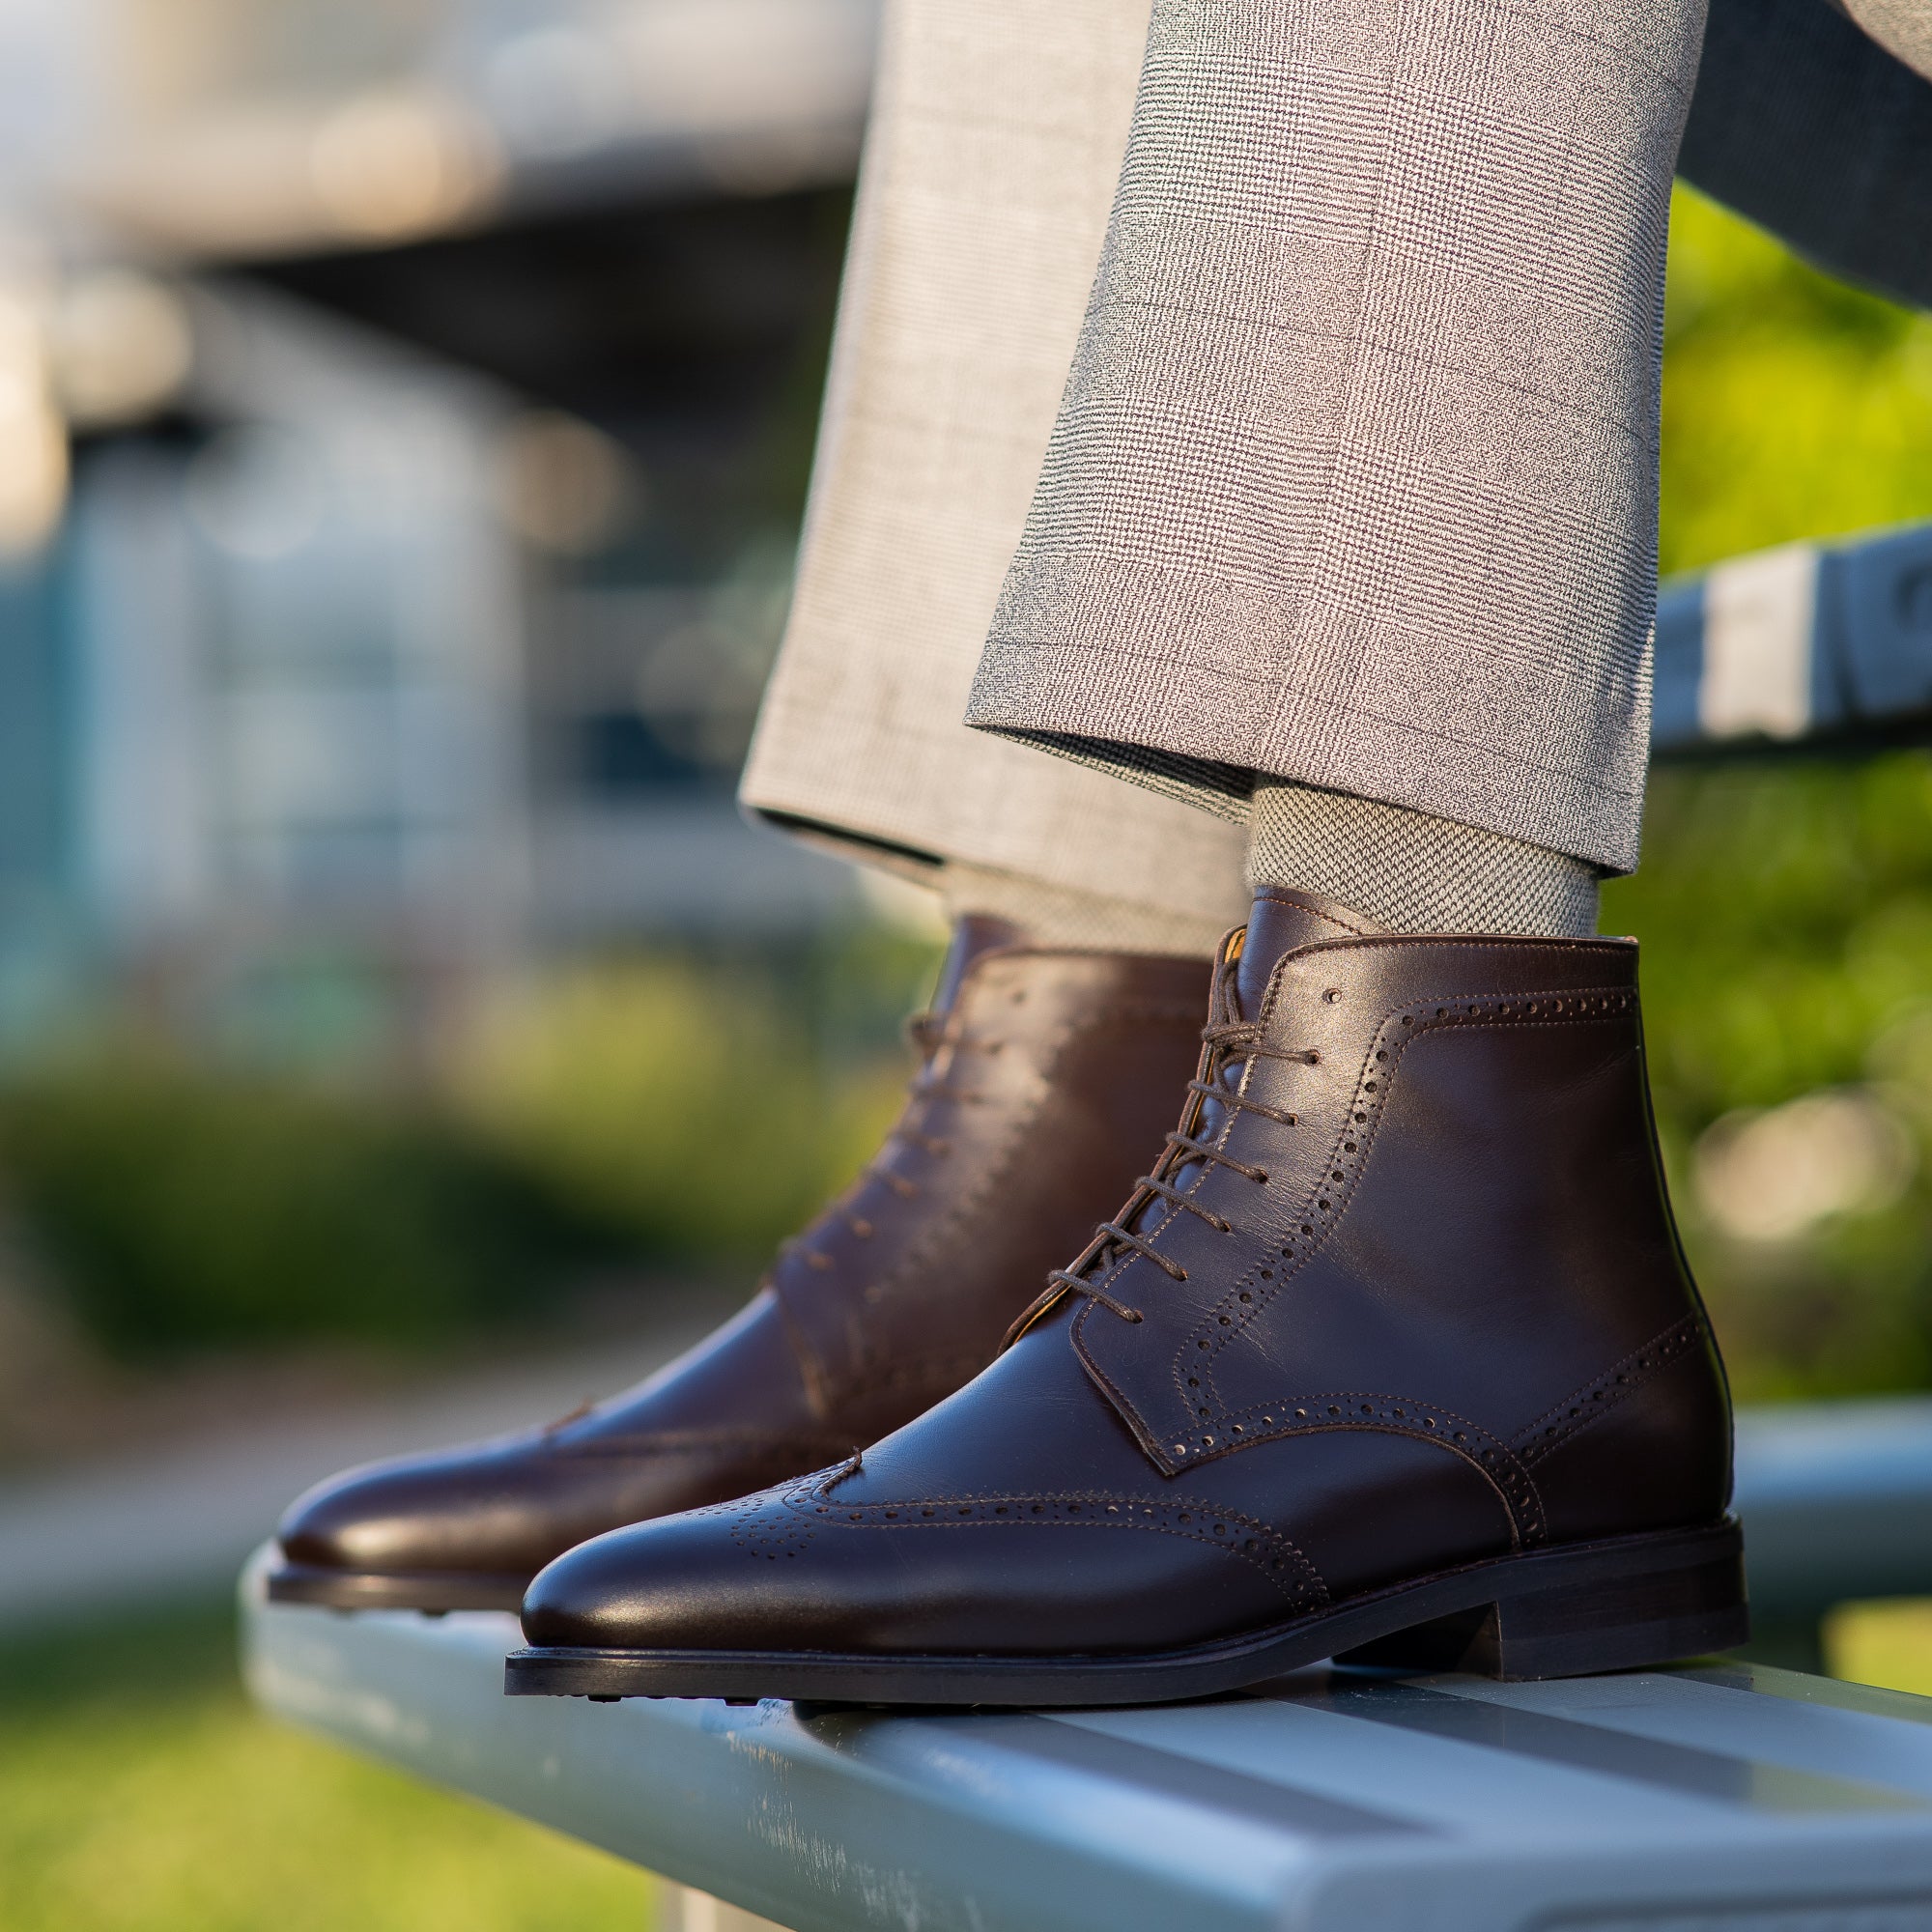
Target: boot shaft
[
  {"x": 1049, "y": 1078},
  {"x": 1463, "y": 1232}
]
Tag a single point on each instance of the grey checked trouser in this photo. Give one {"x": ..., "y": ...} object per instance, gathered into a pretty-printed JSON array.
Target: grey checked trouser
[{"x": 1292, "y": 410}]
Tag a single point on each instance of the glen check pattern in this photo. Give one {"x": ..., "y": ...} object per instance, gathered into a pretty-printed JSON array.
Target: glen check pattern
[
  {"x": 991, "y": 162},
  {"x": 1354, "y": 477}
]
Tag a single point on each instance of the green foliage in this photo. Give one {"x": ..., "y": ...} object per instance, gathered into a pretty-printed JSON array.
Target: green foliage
[
  {"x": 1786, "y": 907},
  {"x": 1794, "y": 406},
  {"x": 186, "y": 1205},
  {"x": 1786, "y": 915},
  {"x": 651, "y": 1113},
  {"x": 138, "y": 1793},
  {"x": 686, "y": 1106}
]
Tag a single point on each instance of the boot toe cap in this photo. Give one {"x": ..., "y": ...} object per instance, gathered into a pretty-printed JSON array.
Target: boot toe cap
[
  {"x": 679, "y": 1584},
  {"x": 479, "y": 1510},
  {"x": 762, "y": 1577}
]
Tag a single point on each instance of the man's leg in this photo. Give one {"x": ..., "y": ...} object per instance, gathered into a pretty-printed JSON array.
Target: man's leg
[
  {"x": 1069, "y": 1011},
  {"x": 1348, "y": 521},
  {"x": 1823, "y": 134},
  {"x": 990, "y": 163},
  {"x": 1353, "y": 487}
]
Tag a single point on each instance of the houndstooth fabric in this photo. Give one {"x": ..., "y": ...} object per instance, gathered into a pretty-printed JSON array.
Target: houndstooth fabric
[
  {"x": 1353, "y": 481},
  {"x": 1415, "y": 874}
]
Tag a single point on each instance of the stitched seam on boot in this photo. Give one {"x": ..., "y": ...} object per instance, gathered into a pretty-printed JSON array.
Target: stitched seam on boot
[
  {"x": 1307, "y": 1231},
  {"x": 1567, "y": 1006},
  {"x": 1564, "y": 1421},
  {"x": 1399, "y": 1031},
  {"x": 1533, "y": 1008},
  {"x": 1488, "y": 1455},
  {"x": 1605, "y": 949},
  {"x": 777, "y": 1495},
  {"x": 1287, "y": 896}
]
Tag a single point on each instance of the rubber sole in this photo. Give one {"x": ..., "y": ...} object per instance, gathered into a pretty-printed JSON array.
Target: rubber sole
[
  {"x": 428, "y": 1590},
  {"x": 1619, "y": 1604}
]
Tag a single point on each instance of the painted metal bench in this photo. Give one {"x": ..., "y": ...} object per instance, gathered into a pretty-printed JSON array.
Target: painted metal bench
[
  {"x": 1731, "y": 1797},
  {"x": 1727, "y": 1797},
  {"x": 1809, "y": 644}
]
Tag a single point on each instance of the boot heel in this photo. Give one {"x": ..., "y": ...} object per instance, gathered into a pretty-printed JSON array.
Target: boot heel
[{"x": 1617, "y": 1610}]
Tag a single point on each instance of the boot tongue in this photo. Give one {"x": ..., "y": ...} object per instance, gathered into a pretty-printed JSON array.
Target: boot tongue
[
  {"x": 974, "y": 935},
  {"x": 1280, "y": 921}
]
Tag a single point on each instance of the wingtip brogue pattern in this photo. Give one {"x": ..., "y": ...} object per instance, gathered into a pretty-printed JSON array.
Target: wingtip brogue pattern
[
  {"x": 1472, "y": 1151},
  {"x": 1043, "y": 1075},
  {"x": 1404, "y": 1294}
]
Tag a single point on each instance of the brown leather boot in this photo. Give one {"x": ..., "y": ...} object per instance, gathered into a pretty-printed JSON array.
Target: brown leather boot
[
  {"x": 1395, "y": 1356},
  {"x": 1045, "y": 1076}
]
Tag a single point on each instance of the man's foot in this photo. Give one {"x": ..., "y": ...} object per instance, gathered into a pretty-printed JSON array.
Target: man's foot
[
  {"x": 1045, "y": 1075},
  {"x": 1395, "y": 1356}
]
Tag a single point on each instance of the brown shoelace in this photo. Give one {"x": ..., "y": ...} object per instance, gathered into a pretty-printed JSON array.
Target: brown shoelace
[{"x": 1229, "y": 1040}]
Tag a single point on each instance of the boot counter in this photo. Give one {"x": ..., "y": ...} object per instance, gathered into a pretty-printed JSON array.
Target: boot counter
[
  {"x": 1667, "y": 1450},
  {"x": 1659, "y": 1459}
]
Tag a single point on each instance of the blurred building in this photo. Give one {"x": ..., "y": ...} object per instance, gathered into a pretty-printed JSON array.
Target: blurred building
[{"x": 405, "y": 407}]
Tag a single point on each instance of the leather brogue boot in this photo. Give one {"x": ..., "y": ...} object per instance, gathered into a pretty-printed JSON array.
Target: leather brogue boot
[
  {"x": 1045, "y": 1075},
  {"x": 1394, "y": 1356}
]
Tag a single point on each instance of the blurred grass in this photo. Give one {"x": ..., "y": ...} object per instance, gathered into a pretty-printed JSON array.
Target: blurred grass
[
  {"x": 139, "y": 1793},
  {"x": 188, "y": 1205}
]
